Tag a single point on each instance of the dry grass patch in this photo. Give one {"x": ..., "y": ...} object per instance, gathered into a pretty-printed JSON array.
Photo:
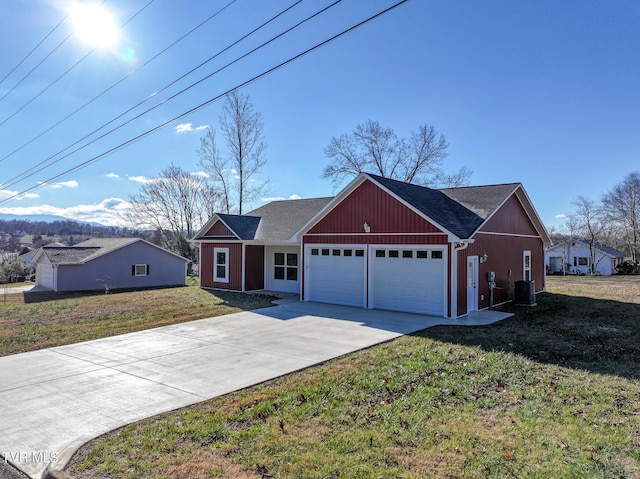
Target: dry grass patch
[{"x": 65, "y": 319}]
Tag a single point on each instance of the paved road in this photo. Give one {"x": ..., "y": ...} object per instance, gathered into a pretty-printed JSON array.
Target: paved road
[
  {"x": 54, "y": 400},
  {"x": 14, "y": 290}
]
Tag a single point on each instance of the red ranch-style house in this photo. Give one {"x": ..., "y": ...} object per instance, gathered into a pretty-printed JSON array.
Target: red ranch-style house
[{"x": 383, "y": 244}]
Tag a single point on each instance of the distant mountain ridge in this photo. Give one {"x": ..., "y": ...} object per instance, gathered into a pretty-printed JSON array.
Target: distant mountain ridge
[{"x": 45, "y": 219}]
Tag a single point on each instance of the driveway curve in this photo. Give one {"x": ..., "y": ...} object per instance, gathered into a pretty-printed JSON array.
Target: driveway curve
[{"x": 54, "y": 400}]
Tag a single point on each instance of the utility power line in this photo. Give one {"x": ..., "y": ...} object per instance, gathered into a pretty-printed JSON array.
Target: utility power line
[
  {"x": 33, "y": 49},
  {"x": 148, "y": 132},
  {"x": 77, "y": 110},
  {"x": 65, "y": 73},
  {"x": 34, "y": 169}
]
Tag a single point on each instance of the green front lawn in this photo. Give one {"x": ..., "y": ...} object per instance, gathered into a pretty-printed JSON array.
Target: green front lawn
[{"x": 552, "y": 392}]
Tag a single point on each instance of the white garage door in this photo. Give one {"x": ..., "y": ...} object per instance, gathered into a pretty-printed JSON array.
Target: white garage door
[
  {"x": 336, "y": 275},
  {"x": 44, "y": 276},
  {"x": 408, "y": 279}
]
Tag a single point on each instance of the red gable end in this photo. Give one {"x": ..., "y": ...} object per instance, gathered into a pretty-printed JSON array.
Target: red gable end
[
  {"x": 381, "y": 211},
  {"x": 219, "y": 229},
  {"x": 512, "y": 218}
]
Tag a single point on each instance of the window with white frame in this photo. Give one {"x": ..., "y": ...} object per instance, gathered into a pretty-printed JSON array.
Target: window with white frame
[
  {"x": 140, "y": 270},
  {"x": 526, "y": 266},
  {"x": 578, "y": 261},
  {"x": 286, "y": 266},
  {"x": 221, "y": 265}
]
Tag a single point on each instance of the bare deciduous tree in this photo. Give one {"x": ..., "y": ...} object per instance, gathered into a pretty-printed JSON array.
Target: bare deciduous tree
[
  {"x": 589, "y": 221},
  {"x": 175, "y": 203},
  {"x": 217, "y": 168},
  {"x": 378, "y": 150},
  {"x": 243, "y": 131},
  {"x": 622, "y": 206}
]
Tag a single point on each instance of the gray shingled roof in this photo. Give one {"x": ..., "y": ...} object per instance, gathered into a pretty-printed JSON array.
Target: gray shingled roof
[
  {"x": 275, "y": 221},
  {"x": 87, "y": 250},
  {"x": 482, "y": 200},
  {"x": 69, "y": 254},
  {"x": 280, "y": 220}
]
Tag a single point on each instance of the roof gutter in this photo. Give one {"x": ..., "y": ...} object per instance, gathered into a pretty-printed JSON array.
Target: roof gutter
[{"x": 463, "y": 244}]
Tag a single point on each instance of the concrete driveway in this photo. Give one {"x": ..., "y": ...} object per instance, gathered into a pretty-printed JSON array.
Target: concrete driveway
[{"x": 54, "y": 400}]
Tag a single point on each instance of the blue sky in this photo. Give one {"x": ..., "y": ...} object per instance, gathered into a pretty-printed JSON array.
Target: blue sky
[{"x": 545, "y": 93}]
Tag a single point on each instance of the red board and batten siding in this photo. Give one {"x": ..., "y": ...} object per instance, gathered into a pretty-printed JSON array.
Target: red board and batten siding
[
  {"x": 235, "y": 266},
  {"x": 219, "y": 229},
  {"x": 511, "y": 218},
  {"x": 369, "y": 203},
  {"x": 504, "y": 238}
]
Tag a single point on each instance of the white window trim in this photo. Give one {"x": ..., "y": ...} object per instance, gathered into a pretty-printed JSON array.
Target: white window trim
[
  {"x": 526, "y": 269},
  {"x": 286, "y": 266},
  {"x": 217, "y": 278},
  {"x": 144, "y": 267}
]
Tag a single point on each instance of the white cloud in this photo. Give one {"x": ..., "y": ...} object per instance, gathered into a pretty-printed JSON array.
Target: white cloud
[
  {"x": 4, "y": 194},
  {"x": 202, "y": 174},
  {"x": 139, "y": 179},
  {"x": 187, "y": 127},
  {"x": 269, "y": 199},
  {"x": 65, "y": 184},
  {"x": 561, "y": 216},
  {"x": 107, "y": 212},
  {"x": 113, "y": 175}
]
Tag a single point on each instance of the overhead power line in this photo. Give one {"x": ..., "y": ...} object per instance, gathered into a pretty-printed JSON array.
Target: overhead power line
[
  {"x": 66, "y": 72},
  {"x": 77, "y": 110},
  {"x": 34, "y": 169},
  {"x": 148, "y": 132},
  {"x": 33, "y": 49}
]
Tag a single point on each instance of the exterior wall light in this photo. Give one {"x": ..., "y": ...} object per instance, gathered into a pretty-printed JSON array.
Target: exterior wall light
[
  {"x": 366, "y": 227},
  {"x": 483, "y": 258}
]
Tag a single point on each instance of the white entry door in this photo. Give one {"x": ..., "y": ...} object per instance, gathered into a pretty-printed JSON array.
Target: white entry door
[{"x": 472, "y": 283}]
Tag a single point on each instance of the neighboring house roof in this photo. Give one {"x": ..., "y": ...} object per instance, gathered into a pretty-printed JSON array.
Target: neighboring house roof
[
  {"x": 608, "y": 250},
  {"x": 68, "y": 254},
  {"x": 275, "y": 221},
  {"x": 90, "y": 249}
]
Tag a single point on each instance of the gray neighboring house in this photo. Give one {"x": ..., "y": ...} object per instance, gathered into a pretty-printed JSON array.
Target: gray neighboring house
[{"x": 113, "y": 263}]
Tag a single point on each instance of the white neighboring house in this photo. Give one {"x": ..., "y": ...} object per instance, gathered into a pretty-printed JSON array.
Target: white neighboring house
[
  {"x": 575, "y": 255},
  {"x": 27, "y": 258}
]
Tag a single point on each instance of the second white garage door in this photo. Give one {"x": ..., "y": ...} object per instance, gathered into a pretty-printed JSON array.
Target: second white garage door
[
  {"x": 408, "y": 279},
  {"x": 336, "y": 275}
]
